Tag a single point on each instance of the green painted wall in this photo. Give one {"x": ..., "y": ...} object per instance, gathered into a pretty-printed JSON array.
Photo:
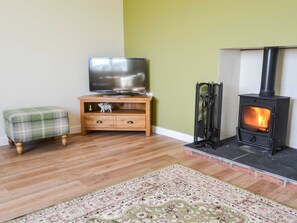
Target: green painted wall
[{"x": 182, "y": 38}]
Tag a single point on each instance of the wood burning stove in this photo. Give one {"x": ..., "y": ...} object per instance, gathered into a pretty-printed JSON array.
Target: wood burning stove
[
  {"x": 263, "y": 117},
  {"x": 263, "y": 121}
]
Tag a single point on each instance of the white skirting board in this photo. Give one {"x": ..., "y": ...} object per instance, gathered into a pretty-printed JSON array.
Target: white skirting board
[
  {"x": 173, "y": 134},
  {"x": 159, "y": 130},
  {"x": 73, "y": 129}
]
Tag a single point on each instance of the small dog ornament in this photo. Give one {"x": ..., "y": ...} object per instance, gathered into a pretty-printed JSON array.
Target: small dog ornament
[{"x": 105, "y": 107}]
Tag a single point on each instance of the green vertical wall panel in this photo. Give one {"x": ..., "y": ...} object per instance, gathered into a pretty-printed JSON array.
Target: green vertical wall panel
[{"x": 182, "y": 38}]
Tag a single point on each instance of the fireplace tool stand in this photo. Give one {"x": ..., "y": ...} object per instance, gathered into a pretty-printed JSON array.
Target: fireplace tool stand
[{"x": 208, "y": 109}]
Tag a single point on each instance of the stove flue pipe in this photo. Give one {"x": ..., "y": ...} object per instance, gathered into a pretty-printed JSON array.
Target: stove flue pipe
[{"x": 269, "y": 71}]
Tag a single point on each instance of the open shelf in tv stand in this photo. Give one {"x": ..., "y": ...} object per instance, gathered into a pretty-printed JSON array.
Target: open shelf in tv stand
[{"x": 128, "y": 113}]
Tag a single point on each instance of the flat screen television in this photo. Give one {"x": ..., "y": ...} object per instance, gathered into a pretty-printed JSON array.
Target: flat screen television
[{"x": 117, "y": 75}]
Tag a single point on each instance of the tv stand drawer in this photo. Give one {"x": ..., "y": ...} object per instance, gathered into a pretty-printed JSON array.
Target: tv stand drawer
[
  {"x": 130, "y": 122},
  {"x": 99, "y": 121}
]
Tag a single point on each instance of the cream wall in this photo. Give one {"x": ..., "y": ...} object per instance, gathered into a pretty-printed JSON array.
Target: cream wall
[{"x": 45, "y": 46}]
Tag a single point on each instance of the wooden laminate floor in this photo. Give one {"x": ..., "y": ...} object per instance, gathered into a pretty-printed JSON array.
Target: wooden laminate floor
[{"x": 48, "y": 173}]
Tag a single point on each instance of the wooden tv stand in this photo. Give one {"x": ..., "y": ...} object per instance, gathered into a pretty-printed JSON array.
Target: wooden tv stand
[{"x": 131, "y": 113}]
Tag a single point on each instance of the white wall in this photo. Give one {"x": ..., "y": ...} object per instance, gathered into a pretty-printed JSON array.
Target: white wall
[
  {"x": 45, "y": 46},
  {"x": 229, "y": 69},
  {"x": 250, "y": 80}
]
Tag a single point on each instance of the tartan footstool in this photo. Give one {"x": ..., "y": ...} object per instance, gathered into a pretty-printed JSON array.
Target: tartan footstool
[{"x": 28, "y": 124}]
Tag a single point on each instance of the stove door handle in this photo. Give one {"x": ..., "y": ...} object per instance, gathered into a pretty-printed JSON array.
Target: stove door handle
[{"x": 253, "y": 139}]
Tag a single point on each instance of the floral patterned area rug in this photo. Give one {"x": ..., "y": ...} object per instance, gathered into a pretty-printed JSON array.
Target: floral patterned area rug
[{"x": 173, "y": 194}]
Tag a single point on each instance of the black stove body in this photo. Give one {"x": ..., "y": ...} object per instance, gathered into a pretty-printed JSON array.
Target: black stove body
[{"x": 263, "y": 117}]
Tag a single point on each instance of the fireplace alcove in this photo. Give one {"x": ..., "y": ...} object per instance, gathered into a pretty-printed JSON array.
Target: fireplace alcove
[
  {"x": 240, "y": 71},
  {"x": 263, "y": 117}
]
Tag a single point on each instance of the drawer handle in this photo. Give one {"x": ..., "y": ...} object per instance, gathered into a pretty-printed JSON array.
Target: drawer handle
[
  {"x": 99, "y": 122},
  {"x": 130, "y": 122}
]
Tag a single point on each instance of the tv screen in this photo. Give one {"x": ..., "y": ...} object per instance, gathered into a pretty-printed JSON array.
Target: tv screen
[{"x": 117, "y": 75}]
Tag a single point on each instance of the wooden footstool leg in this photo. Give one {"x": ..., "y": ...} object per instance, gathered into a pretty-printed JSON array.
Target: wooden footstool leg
[
  {"x": 64, "y": 140},
  {"x": 19, "y": 147},
  {"x": 10, "y": 142}
]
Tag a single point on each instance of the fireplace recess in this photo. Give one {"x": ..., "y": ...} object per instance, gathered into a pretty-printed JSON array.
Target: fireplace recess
[{"x": 263, "y": 117}]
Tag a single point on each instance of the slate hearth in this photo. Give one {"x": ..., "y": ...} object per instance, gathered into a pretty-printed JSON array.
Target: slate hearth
[{"x": 282, "y": 165}]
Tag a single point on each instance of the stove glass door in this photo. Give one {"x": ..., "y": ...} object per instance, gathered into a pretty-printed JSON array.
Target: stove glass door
[{"x": 255, "y": 118}]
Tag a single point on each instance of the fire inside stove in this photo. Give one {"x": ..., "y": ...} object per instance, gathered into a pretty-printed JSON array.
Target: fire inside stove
[{"x": 255, "y": 118}]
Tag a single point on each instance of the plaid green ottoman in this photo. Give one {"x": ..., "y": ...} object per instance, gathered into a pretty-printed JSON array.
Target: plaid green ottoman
[{"x": 28, "y": 124}]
